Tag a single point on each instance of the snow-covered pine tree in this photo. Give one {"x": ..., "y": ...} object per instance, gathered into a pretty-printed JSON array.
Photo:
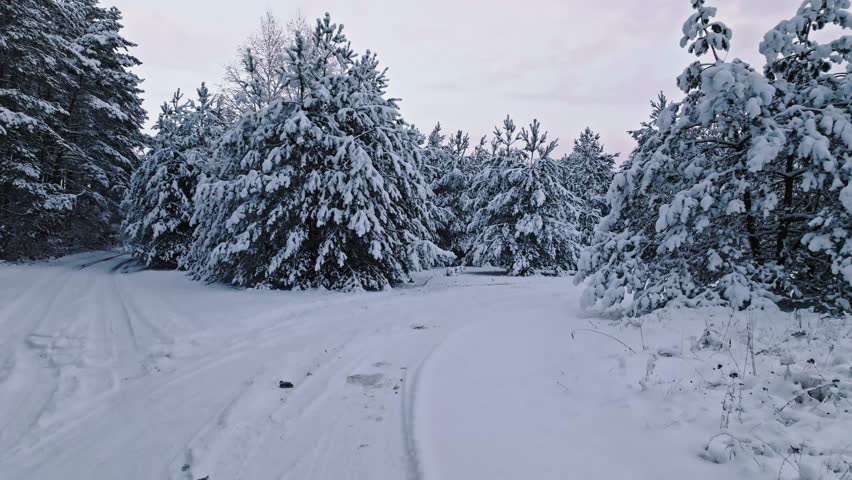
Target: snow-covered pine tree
[
  {"x": 104, "y": 122},
  {"x": 693, "y": 174},
  {"x": 153, "y": 232},
  {"x": 33, "y": 79},
  {"x": 717, "y": 173},
  {"x": 319, "y": 191},
  {"x": 525, "y": 219},
  {"x": 811, "y": 218},
  {"x": 647, "y": 129},
  {"x": 589, "y": 174},
  {"x": 433, "y": 154},
  {"x": 159, "y": 204},
  {"x": 449, "y": 169},
  {"x": 70, "y": 118}
]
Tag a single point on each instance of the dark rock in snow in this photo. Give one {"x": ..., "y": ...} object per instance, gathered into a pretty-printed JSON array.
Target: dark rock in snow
[
  {"x": 668, "y": 352},
  {"x": 283, "y": 384}
]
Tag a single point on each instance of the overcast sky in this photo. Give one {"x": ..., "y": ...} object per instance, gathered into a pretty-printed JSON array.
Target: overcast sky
[{"x": 467, "y": 63}]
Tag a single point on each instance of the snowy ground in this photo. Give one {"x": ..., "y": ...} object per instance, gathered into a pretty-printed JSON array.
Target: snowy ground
[{"x": 107, "y": 372}]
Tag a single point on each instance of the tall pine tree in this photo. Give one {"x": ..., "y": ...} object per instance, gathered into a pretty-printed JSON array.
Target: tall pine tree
[
  {"x": 70, "y": 119},
  {"x": 322, "y": 190},
  {"x": 449, "y": 168},
  {"x": 525, "y": 219},
  {"x": 35, "y": 75},
  {"x": 589, "y": 174},
  {"x": 159, "y": 204},
  {"x": 747, "y": 178},
  {"x": 812, "y": 214}
]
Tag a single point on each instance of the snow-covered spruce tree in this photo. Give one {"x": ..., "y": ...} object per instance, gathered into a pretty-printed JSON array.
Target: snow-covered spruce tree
[
  {"x": 449, "y": 170},
  {"x": 589, "y": 174},
  {"x": 716, "y": 173},
  {"x": 159, "y": 204},
  {"x": 525, "y": 219},
  {"x": 319, "y": 191},
  {"x": 70, "y": 118}
]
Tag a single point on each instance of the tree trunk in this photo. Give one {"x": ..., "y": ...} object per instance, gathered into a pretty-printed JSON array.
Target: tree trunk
[
  {"x": 753, "y": 240},
  {"x": 787, "y": 215}
]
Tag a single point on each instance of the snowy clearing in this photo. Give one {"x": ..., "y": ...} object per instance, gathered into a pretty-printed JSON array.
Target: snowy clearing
[{"x": 109, "y": 372}]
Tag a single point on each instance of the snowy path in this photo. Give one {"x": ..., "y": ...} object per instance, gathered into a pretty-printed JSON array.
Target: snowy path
[
  {"x": 108, "y": 374},
  {"x": 537, "y": 404}
]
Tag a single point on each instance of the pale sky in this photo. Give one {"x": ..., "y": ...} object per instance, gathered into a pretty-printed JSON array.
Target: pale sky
[{"x": 467, "y": 63}]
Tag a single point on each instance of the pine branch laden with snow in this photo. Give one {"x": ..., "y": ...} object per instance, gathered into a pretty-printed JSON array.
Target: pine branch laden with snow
[
  {"x": 738, "y": 194},
  {"x": 70, "y": 119},
  {"x": 701, "y": 34},
  {"x": 159, "y": 204},
  {"x": 525, "y": 219},
  {"x": 320, "y": 191}
]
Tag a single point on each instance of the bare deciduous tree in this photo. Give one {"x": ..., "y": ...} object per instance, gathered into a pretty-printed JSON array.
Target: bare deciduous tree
[{"x": 254, "y": 79}]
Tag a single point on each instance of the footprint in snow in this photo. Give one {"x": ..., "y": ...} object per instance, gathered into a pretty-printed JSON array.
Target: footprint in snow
[{"x": 373, "y": 380}]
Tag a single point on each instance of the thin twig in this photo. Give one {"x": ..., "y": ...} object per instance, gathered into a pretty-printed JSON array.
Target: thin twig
[
  {"x": 606, "y": 335},
  {"x": 784, "y": 459}
]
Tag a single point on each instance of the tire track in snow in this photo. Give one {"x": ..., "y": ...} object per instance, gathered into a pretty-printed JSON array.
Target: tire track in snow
[
  {"x": 414, "y": 469},
  {"x": 229, "y": 442},
  {"x": 27, "y": 305},
  {"x": 314, "y": 424},
  {"x": 161, "y": 332},
  {"x": 98, "y": 262},
  {"x": 27, "y": 380},
  {"x": 205, "y": 365},
  {"x": 81, "y": 348},
  {"x": 222, "y": 394},
  {"x": 109, "y": 353},
  {"x": 254, "y": 415}
]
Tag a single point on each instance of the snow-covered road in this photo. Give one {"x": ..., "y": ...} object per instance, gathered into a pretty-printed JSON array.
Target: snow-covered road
[
  {"x": 107, "y": 372},
  {"x": 112, "y": 373}
]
